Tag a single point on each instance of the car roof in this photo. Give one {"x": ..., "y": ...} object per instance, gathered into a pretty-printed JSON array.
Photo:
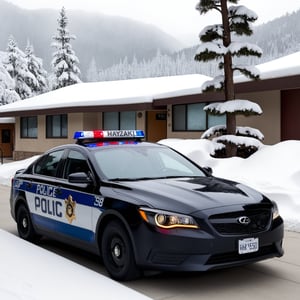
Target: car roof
[
  {"x": 103, "y": 147},
  {"x": 95, "y": 140}
]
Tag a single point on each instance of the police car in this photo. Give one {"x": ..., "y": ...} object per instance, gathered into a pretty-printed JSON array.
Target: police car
[{"x": 142, "y": 206}]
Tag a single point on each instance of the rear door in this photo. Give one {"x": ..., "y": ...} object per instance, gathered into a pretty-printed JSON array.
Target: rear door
[
  {"x": 41, "y": 192},
  {"x": 58, "y": 206}
]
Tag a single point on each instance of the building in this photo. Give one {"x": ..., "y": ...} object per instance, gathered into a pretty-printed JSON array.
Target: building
[{"x": 164, "y": 107}]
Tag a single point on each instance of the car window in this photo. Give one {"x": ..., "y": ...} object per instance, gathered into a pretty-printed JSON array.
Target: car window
[
  {"x": 75, "y": 163},
  {"x": 144, "y": 162},
  {"x": 172, "y": 164},
  {"x": 48, "y": 164}
]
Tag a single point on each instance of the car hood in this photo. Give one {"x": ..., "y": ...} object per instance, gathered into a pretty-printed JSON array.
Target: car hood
[{"x": 187, "y": 194}]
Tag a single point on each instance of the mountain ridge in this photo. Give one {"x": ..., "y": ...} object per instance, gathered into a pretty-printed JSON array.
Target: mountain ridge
[
  {"x": 107, "y": 39},
  {"x": 110, "y": 39},
  {"x": 276, "y": 38}
]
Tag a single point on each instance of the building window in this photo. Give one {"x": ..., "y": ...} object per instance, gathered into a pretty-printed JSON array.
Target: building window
[
  {"x": 57, "y": 126},
  {"x": 192, "y": 117},
  {"x": 213, "y": 120},
  {"x": 119, "y": 120},
  {"x": 28, "y": 127}
]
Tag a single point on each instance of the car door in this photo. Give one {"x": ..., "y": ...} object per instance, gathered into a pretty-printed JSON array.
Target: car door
[
  {"x": 41, "y": 192},
  {"x": 78, "y": 198}
]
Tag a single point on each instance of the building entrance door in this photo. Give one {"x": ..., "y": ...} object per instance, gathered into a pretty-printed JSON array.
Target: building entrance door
[
  {"x": 6, "y": 140},
  {"x": 156, "y": 125},
  {"x": 290, "y": 109}
]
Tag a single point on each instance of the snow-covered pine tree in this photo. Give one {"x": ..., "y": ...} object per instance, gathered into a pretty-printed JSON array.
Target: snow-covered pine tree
[
  {"x": 16, "y": 65},
  {"x": 7, "y": 87},
  {"x": 65, "y": 62},
  {"x": 218, "y": 44},
  {"x": 92, "y": 72},
  {"x": 35, "y": 66}
]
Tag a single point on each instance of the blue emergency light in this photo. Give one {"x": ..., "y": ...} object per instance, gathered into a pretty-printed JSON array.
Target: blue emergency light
[{"x": 101, "y": 144}]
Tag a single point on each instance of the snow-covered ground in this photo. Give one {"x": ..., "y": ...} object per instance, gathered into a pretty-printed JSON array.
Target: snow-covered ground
[{"x": 29, "y": 272}]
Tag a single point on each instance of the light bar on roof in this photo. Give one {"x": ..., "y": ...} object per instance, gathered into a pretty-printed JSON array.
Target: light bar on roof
[
  {"x": 101, "y": 144},
  {"x": 109, "y": 134}
]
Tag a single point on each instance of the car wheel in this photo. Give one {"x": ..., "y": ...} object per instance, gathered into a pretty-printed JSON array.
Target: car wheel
[
  {"x": 24, "y": 224},
  {"x": 117, "y": 253}
]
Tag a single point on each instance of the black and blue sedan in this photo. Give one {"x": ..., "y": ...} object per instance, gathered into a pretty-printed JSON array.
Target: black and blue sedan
[{"x": 142, "y": 206}]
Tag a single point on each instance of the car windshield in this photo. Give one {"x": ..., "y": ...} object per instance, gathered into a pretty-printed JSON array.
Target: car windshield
[{"x": 136, "y": 163}]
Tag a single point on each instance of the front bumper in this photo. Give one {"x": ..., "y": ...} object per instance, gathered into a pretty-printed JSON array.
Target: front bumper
[{"x": 197, "y": 250}]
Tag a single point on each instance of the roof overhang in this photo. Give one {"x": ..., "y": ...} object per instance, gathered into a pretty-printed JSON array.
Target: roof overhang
[{"x": 281, "y": 83}]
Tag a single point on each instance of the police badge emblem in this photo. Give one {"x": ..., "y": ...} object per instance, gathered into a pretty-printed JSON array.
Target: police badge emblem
[{"x": 70, "y": 209}]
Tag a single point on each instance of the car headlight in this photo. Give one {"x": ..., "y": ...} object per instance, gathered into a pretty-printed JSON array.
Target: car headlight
[
  {"x": 167, "y": 220},
  {"x": 275, "y": 211}
]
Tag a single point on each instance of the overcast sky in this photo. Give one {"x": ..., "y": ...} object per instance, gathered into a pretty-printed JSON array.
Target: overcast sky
[{"x": 176, "y": 17}]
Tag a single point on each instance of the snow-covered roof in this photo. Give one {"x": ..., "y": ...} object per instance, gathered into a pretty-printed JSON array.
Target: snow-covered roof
[
  {"x": 281, "y": 67},
  {"x": 133, "y": 91},
  {"x": 139, "y": 91}
]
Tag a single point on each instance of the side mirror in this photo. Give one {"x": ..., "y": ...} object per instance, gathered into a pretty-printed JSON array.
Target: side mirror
[
  {"x": 80, "y": 177},
  {"x": 208, "y": 170}
]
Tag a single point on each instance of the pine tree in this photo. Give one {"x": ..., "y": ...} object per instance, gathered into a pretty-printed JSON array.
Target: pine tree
[
  {"x": 16, "y": 65},
  {"x": 64, "y": 62},
  {"x": 218, "y": 44},
  {"x": 35, "y": 66},
  {"x": 7, "y": 87},
  {"x": 92, "y": 72}
]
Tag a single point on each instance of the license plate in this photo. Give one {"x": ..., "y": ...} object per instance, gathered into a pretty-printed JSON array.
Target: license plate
[{"x": 248, "y": 245}]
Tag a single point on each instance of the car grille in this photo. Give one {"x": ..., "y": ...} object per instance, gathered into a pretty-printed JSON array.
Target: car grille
[{"x": 228, "y": 223}]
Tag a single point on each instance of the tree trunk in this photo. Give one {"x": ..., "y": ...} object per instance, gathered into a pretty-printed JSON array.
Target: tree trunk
[{"x": 231, "y": 149}]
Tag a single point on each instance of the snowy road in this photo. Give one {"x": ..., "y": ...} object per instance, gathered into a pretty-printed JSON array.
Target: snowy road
[{"x": 276, "y": 278}]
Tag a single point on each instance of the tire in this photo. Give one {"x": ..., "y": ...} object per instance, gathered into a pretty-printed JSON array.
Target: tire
[
  {"x": 24, "y": 224},
  {"x": 117, "y": 253}
]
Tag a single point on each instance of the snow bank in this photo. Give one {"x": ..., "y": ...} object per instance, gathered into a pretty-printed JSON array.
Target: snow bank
[
  {"x": 273, "y": 170},
  {"x": 8, "y": 170},
  {"x": 29, "y": 272}
]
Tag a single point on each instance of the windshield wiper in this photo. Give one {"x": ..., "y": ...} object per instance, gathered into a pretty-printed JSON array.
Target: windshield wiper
[
  {"x": 132, "y": 179},
  {"x": 154, "y": 178}
]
